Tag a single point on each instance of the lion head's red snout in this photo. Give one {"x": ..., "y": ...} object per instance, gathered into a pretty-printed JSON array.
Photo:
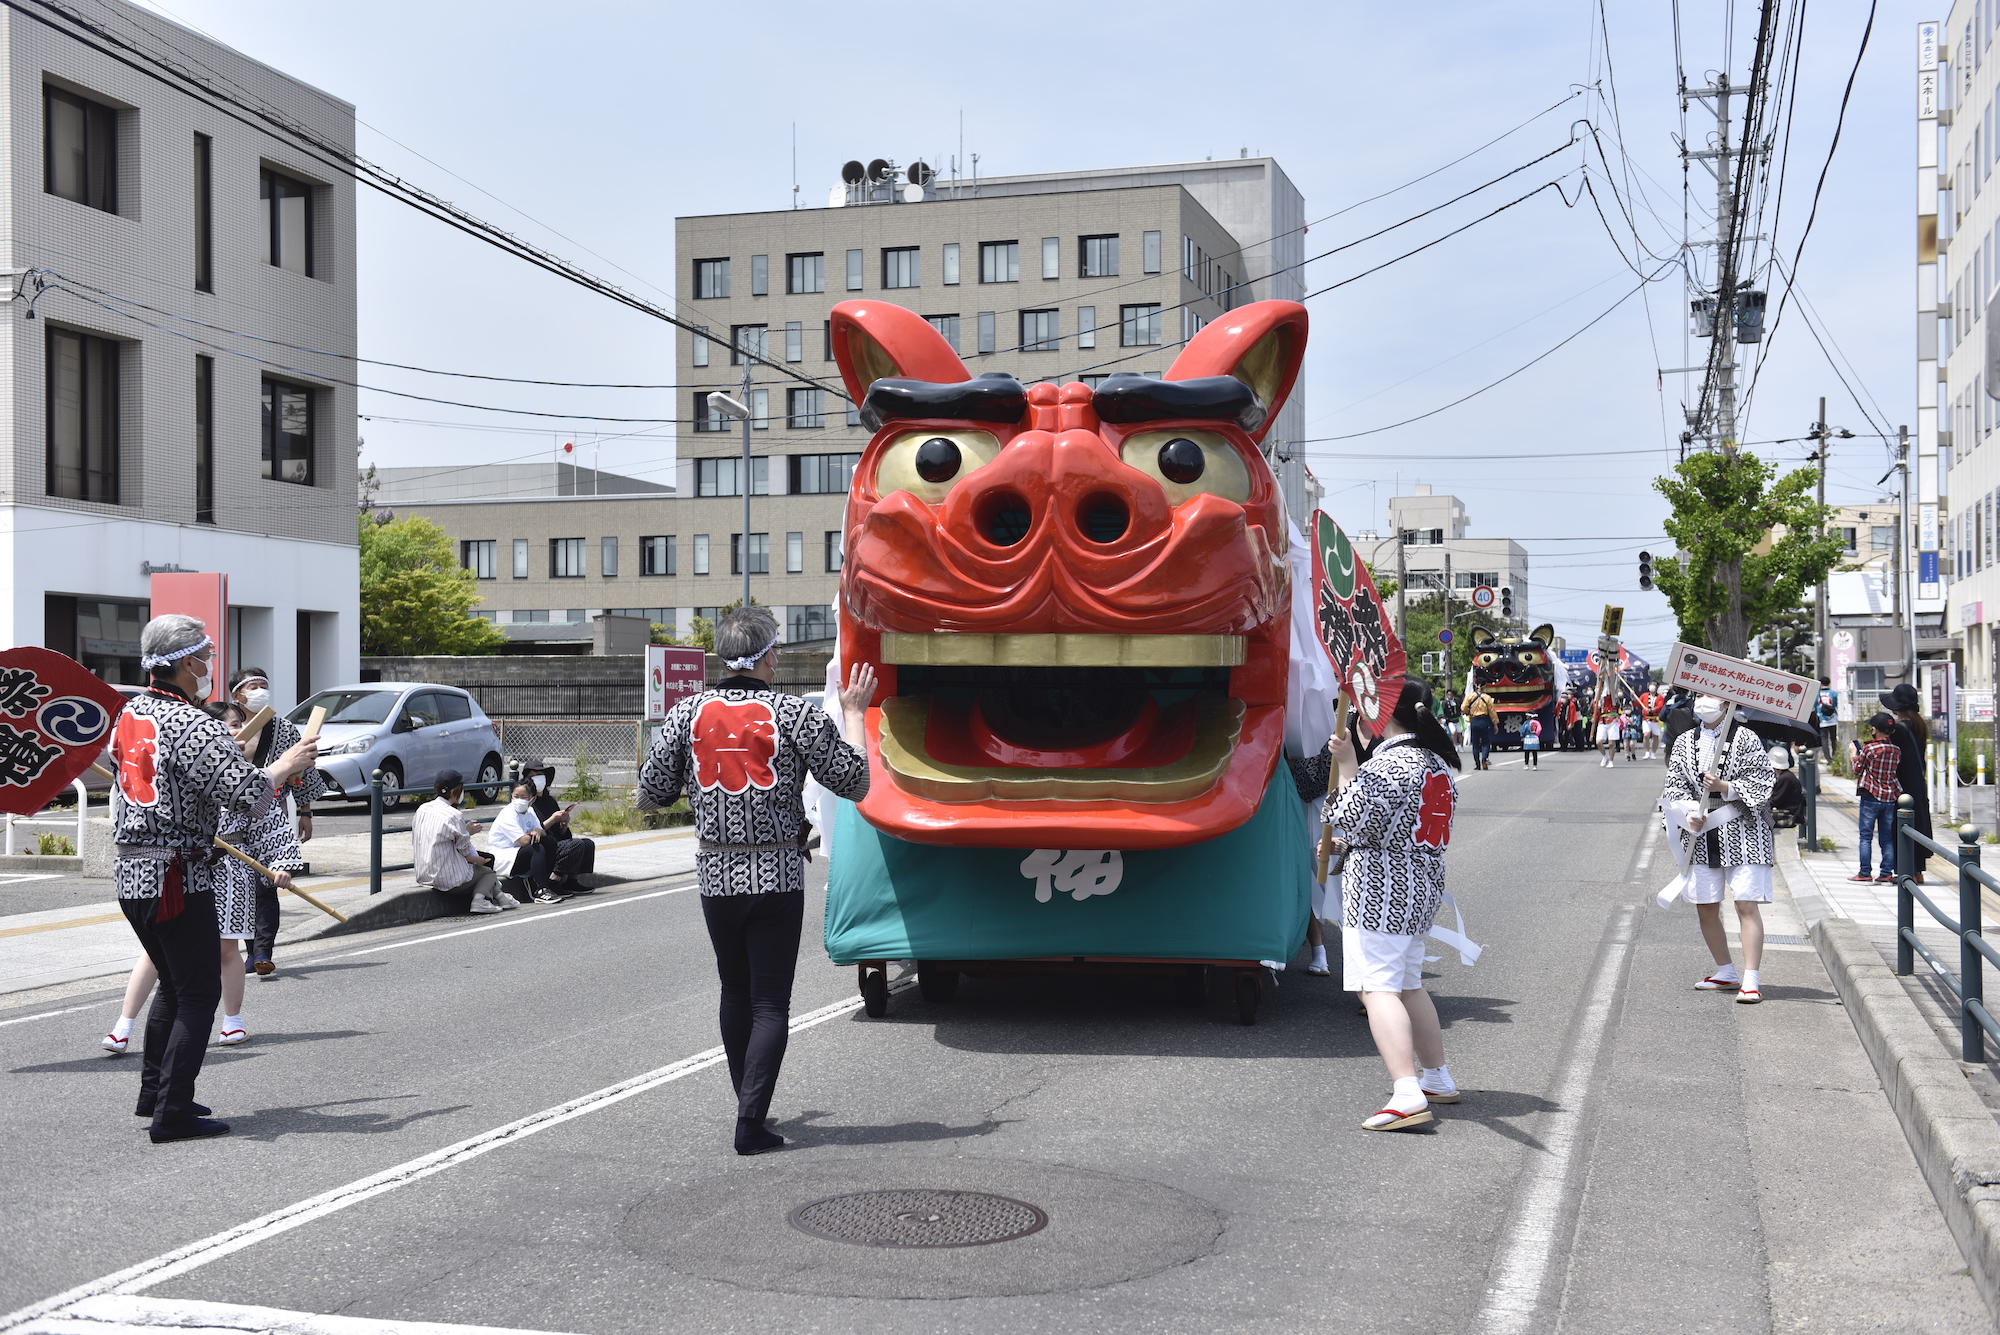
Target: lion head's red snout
[{"x": 1067, "y": 491}]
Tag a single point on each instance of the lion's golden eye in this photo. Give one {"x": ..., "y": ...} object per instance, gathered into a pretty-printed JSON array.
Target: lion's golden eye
[
  {"x": 1188, "y": 462},
  {"x": 929, "y": 463}
]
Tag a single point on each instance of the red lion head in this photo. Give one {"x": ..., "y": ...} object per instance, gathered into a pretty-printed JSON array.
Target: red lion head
[{"x": 1075, "y": 595}]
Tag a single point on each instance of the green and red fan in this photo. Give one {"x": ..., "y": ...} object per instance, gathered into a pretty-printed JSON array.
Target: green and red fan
[{"x": 1353, "y": 627}]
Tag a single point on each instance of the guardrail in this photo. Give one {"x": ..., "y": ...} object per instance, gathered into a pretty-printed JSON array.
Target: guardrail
[
  {"x": 1975, "y": 1022},
  {"x": 378, "y": 795},
  {"x": 43, "y": 817}
]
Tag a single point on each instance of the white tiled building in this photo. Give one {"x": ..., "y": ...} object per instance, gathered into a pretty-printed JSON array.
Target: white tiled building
[{"x": 153, "y": 239}]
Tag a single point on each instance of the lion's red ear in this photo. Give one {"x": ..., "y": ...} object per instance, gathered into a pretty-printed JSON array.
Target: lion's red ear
[
  {"x": 873, "y": 340},
  {"x": 1262, "y": 344}
]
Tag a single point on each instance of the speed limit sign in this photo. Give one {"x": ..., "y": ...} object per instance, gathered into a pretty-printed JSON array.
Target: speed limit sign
[{"x": 1482, "y": 597}]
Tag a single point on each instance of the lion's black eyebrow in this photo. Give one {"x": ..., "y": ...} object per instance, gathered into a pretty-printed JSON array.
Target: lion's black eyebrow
[
  {"x": 1126, "y": 398},
  {"x": 993, "y": 397}
]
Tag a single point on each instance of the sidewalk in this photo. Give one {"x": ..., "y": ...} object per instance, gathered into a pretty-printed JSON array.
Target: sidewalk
[{"x": 89, "y": 939}]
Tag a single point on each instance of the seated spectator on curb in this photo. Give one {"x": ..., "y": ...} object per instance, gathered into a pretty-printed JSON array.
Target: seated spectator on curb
[
  {"x": 443, "y": 852},
  {"x": 569, "y": 856},
  {"x": 1788, "y": 798},
  {"x": 520, "y": 848}
]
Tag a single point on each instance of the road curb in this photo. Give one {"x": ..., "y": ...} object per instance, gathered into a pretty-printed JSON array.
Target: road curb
[{"x": 1955, "y": 1138}]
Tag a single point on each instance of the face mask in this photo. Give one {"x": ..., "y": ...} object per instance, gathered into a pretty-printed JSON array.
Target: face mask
[
  {"x": 519, "y": 804},
  {"x": 203, "y": 685},
  {"x": 256, "y": 698},
  {"x": 1709, "y": 711},
  {"x": 541, "y": 783}
]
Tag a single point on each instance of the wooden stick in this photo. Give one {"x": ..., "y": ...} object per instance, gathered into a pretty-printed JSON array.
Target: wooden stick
[
  {"x": 313, "y": 722},
  {"x": 257, "y": 723},
  {"x": 1325, "y": 852},
  {"x": 256, "y": 866}
]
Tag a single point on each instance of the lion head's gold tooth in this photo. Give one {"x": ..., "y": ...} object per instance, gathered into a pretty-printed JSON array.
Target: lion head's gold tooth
[{"x": 978, "y": 649}]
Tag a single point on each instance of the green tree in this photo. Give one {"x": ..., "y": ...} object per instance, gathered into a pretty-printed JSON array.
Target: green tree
[
  {"x": 415, "y": 596},
  {"x": 1750, "y": 545},
  {"x": 701, "y": 631}
]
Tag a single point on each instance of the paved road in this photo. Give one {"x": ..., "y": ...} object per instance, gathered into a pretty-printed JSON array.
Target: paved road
[{"x": 520, "y": 1123}]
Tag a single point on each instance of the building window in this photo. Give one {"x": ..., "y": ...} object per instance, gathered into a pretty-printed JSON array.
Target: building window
[
  {"x": 479, "y": 557},
  {"x": 834, "y": 550},
  {"x": 946, "y": 325},
  {"x": 805, "y": 408},
  {"x": 698, "y": 353},
  {"x": 80, "y": 149},
  {"x": 657, "y": 556},
  {"x": 760, "y": 414},
  {"x": 204, "y": 213},
  {"x": 288, "y": 229},
  {"x": 795, "y": 341},
  {"x": 607, "y": 558},
  {"x": 754, "y": 339},
  {"x": 820, "y": 474},
  {"x": 1187, "y": 258},
  {"x": 700, "y": 559},
  {"x": 706, "y": 419},
  {"x": 951, "y": 264},
  {"x": 1139, "y": 326},
  {"x": 1882, "y": 537},
  {"x": 1051, "y": 257},
  {"x": 1847, "y": 535},
  {"x": 531, "y": 616},
  {"x": 811, "y": 621},
  {"x": 1097, "y": 256},
  {"x": 288, "y": 432},
  {"x": 1041, "y": 331},
  {"x": 760, "y": 553},
  {"x": 899, "y": 266},
  {"x": 723, "y": 477},
  {"x": 795, "y": 553},
  {"x": 853, "y": 271},
  {"x": 566, "y": 558},
  {"x": 83, "y": 417},
  {"x": 826, "y": 340},
  {"x": 760, "y": 275},
  {"x": 988, "y": 337},
  {"x": 711, "y": 279},
  {"x": 520, "y": 558},
  {"x": 204, "y": 440},
  {"x": 1150, "y": 246},
  {"x": 805, "y": 273},
  {"x": 853, "y": 414},
  {"x": 1086, "y": 326},
  {"x": 1000, "y": 261}
]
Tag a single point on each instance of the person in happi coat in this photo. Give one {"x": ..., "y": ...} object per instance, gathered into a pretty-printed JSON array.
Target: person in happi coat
[
  {"x": 1392, "y": 824},
  {"x": 1718, "y": 790},
  {"x": 179, "y": 774},
  {"x": 251, "y": 688},
  {"x": 741, "y": 752}
]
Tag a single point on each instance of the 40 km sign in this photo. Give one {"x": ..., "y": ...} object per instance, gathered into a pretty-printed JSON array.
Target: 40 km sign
[{"x": 1482, "y": 597}]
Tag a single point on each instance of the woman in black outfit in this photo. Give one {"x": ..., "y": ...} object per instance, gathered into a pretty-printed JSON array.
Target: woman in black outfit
[{"x": 1912, "y": 737}]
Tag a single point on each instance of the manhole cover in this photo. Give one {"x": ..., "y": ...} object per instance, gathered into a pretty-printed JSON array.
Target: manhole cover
[{"x": 918, "y": 1217}]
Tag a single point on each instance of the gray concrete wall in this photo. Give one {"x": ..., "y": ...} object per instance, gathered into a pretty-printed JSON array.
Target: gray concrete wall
[{"x": 569, "y": 685}]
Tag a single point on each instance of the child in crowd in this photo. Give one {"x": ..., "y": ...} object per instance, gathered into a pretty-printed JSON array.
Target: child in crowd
[{"x": 1875, "y": 784}]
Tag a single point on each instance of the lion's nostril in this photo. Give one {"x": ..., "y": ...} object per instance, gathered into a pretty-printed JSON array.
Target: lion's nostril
[
  {"x": 1103, "y": 518},
  {"x": 1004, "y": 518}
]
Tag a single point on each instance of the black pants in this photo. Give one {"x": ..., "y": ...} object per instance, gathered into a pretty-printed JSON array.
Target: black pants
[
  {"x": 187, "y": 952},
  {"x": 265, "y": 939},
  {"x": 570, "y": 858},
  {"x": 1482, "y": 741},
  {"x": 756, "y": 940}
]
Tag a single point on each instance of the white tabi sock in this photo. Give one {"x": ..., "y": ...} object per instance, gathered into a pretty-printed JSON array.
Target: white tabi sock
[
  {"x": 123, "y": 1029},
  {"x": 1437, "y": 1079},
  {"x": 232, "y": 1022},
  {"x": 1726, "y": 971},
  {"x": 1408, "y": 1095},
  {"x": 1750, "y": 980}
]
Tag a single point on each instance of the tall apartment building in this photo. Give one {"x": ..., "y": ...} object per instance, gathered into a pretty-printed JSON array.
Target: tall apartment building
[
  {"x": 168, "y": 434},
  {"x": 1437, "y": 553}
]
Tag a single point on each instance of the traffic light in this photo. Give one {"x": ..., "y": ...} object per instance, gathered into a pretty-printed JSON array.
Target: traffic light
[
  {"x": 1646, "y": 571},
  {"x": 1506, "y": 600}
]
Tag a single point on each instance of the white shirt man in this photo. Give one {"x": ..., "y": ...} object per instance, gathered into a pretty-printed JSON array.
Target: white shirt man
[{"x": 443, "y": 852}]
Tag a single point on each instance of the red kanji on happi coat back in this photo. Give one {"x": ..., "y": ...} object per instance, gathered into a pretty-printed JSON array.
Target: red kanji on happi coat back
[
  {"x": 734, "y": 741},
  {"x": 1434, "y": 818}
]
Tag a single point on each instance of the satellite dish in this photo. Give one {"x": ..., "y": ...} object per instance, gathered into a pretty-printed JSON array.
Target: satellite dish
[
  {"x": 878, "y": 170},
  {"x": 920, "y": 173},
  {"x": 836, "y": 196},
  {"x": 852, "y": 173},
  {"x": 913, "y": 194}
]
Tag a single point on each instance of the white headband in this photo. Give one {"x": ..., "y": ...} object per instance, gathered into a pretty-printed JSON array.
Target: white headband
[
  {"x": 151, "y": 661},
  {"x": 745, "y": 664}
]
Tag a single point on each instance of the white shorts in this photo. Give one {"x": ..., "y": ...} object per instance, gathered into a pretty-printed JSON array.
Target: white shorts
[
  {"x": 1746, "y": 885},
  {"x": 1380, "y": 961},
  {"x": 1652, "y": 728},
  {"x": 1607, "y": 732}
]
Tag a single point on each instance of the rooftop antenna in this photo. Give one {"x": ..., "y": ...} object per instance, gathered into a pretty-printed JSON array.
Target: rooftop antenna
[
  {"x": 795, "y": 164},
  {"x": 975, "y": 176},
  {"x": 961, "y": 153}
]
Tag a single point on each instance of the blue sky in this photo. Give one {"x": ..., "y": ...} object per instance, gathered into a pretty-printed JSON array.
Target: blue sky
[{"x": 588, "y": 127}]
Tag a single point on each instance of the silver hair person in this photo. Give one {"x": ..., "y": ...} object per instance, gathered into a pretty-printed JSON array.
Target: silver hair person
[
  {"x": 170, "y": 637},
  {"x": 745, "y": 636}
]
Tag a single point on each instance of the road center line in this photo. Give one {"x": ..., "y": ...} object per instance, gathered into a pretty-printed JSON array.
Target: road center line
[
  {"x": 1531, "y": 1239},
  {"x": 50, "y": 1015},
  {"x": 169, "y": 1265},
  {"x": 516, "y": 922}
]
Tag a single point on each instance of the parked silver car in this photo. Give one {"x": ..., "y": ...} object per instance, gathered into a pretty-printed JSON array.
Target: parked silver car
[{"x": 408, "y": 730}]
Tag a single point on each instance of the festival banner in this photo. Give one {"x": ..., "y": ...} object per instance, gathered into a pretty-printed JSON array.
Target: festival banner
[
  {"x": 1354, "y": 627},
  {"x": 55, "y": 714}
]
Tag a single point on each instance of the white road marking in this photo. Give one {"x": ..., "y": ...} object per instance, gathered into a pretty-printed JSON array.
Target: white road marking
[
  {"x": 515, "y": 922},
  {"x": 1646, "y": 851},
  {"x": 46, "y": 1015},
  {"x": 117, "y": 1315},
  {"x": 17, "y": 878},
  {"x": 169, "y": 1265},
  {"x": 1530, "y": 1242}
]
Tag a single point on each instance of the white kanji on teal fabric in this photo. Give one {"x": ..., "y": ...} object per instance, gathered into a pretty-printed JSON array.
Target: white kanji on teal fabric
[{"x": 1078, "y": 875}]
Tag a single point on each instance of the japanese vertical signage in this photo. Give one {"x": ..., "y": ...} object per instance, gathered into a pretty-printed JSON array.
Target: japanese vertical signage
[{"x": 672, "y": 674}]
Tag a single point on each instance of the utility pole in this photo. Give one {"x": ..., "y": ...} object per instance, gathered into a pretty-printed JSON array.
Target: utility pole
[
  {"x": 1402, "y": 592},
  {"x": 1819, "y": 434}
]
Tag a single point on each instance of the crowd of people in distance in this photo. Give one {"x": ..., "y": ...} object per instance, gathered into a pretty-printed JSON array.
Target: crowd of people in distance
[{"x": 529, "y": 847}]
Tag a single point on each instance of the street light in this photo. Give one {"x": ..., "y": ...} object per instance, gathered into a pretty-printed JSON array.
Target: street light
[{"x": 718, "y": 402}]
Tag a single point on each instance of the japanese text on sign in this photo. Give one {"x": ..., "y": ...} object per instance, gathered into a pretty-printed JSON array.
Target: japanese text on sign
[{"x": 1710, "y": 673}]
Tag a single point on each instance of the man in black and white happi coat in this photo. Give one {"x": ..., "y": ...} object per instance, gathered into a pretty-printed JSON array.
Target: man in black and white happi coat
[
  {"x": 1717, "y": 808},
  {"x": 179, "y": 772},
  {"x": 742, "y": 751}
]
